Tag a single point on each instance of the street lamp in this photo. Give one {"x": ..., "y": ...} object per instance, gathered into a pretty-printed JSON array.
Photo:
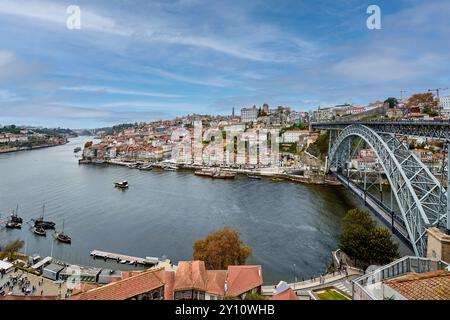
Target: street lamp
[{"x": 295, "y": 275}]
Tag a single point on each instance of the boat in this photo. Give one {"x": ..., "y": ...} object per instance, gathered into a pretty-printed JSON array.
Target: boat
[
  {"x": 250, "y": 176},
  {"x": 170, "y": 168},
  {"x": 123, "y": 261},
  {"x": 14, "y": 222},
  {"x": 77, "y": 149},
  {"x": 132, "y": 262},
  {"x": 41, "y": 223},
  {"x": 148, "y": 167},
  {"x": 223, "y": 175},
  {"x": 13, "y": 225},
  {"x": 204, "y": 173},
  {"x": 277, "y": 179},
  {"x": 40, "y": 231},
  {"x": 64, "y": 238},
  {"x": 121, "y": 185}
]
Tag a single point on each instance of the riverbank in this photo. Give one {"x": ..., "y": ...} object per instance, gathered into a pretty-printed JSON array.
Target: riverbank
[
  {"x": 18, "y": 149},
  {"x": 277, "y": 173}
]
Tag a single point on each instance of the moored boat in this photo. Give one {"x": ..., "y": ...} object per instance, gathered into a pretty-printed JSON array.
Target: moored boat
[
  {"x": 77, "y": 149},
  {"x": 251, "y": 176},
  {"x": 204, "y": 173},
  {"x": 121, "y": 185},
  {"x": 13, "y": 225},
  {"x": 40, "y": 231},
  {"x": 223, "y": 175},
  {"x": 62, "y": 237},
  {"x": 14, "y": 222},
  {"x": 41, "y": 223}
]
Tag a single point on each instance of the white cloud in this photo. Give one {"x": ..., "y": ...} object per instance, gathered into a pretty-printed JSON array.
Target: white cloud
[{"x": 106, "y": 90}]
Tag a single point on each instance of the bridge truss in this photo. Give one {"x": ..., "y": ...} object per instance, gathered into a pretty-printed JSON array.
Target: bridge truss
[{"x": 420, "y": 197}]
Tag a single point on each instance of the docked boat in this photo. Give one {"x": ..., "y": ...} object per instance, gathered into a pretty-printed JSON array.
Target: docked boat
[
  {"x": 41, "y": 223},
  {"x": 277, "y": 179},
  {"x": 148, "y": 167},
  {"x": 40, "y": 231},
  {"x": 251, "y": 176},
  {"x": 223, "y": 175},
  {"x": 77, "y": 149},
  {"x": 121, "y": 185},
  {"x": 62, "y": 237},
  {"x": 14, "y": 222},
  {"x": 170, "y": 168},
  {"x": 204, "y": 173}
]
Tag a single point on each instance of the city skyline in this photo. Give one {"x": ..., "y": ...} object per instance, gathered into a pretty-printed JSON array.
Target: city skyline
[{"x": 147, "y": 61}]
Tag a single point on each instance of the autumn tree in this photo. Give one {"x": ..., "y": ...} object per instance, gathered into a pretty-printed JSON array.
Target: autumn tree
[
  {"x": 424, "y": 101},
  {"x": 11, "y": 248},
  {"x": 221, "y": 249}
]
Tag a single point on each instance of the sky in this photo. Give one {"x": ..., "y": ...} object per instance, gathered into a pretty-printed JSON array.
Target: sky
[{"x": 150, "y": 60}]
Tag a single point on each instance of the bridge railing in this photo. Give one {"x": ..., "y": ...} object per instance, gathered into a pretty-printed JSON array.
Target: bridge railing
[{"x": 366, "y": 287}]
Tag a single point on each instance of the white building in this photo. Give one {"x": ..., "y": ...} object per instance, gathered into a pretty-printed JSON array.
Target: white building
[
  {"x": 249, "y": 114},
  {"x": 445, "y": 104},
  {"x": 293, "y": 136}
]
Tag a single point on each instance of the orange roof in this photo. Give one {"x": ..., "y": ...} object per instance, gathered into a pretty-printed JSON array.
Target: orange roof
[
  {"x": 170, "y": 282},
  {"x": 288, "y": 294},
  {"x": 191, "y": 275},
  {"x": 434, "y": 285},
  {"x": 126, "y": 288},
  {"x": 216, "y": 282},
  {"x": 241, "y": 279}
]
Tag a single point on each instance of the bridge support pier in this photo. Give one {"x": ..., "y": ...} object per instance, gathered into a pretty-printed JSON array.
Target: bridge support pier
[{"x": 448, "y": 191}]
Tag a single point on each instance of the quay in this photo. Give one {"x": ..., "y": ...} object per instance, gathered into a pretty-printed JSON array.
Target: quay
[{"x": 126, "y": 259}]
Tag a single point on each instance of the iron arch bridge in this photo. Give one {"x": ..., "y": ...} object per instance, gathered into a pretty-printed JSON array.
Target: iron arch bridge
[{"x": 420, "y": 197}]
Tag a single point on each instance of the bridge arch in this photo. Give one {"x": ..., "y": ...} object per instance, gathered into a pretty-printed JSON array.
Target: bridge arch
[{"x": 418, "y": 193}]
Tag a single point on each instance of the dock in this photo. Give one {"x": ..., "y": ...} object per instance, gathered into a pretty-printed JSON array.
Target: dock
[{"x": 121, "y": 257}]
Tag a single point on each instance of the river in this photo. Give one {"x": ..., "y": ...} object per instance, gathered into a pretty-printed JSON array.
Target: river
[{"x": 163, "y": 213}]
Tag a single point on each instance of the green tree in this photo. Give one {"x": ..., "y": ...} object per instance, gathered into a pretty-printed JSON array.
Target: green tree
[
  {"x": 221, "y": 249},
  {"x": 254, "y": 296},
  {"x": 364, "y": 241},
  {"x": 393, "y": 102}
]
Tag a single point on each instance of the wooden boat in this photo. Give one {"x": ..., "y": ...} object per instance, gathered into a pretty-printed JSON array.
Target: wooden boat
[
  {"x": 223, "y": 175},
  {"x": 170, "y": 168},
  {"x": 41, "y": 223},
  {"x": 14, "y": 222},
  {"x": 13, "y": 225},
  {"x": 40, "y": 231},
  {"x": 277, "y": 179},
  {"x": 204, "y": 173},
  {"x": 64, "y": 238},
  {"x": 121, "y": 185},
  {"x": 250, "y": 176}
]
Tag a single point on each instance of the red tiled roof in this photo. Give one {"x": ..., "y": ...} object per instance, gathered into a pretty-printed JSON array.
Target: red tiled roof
[
  {"x": 191, "y": 275},
  {"x": 126, "y": 288},
  {"x": 241, "y": 279},
  {"x": 288, "y": 294},
  {"x": 216, "y": 282},
  {"x": 170, "y": 282},
  {"x": 433, "y": 285}
]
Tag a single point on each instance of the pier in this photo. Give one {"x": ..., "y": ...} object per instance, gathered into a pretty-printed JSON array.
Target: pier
[{"x": 126, "y": 259}]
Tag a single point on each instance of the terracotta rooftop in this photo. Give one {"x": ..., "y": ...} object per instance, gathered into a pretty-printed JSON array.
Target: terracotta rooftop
[
  {"x": 433, "y": 285},
  {"x": 126, "y": 288},
  {"x": 241, "y": 279},
  {"x": 288, "y": 294},
  {"x": 216, "y": 282},
  {"x": 170, "y": 282},
  {"x": 191, "y": 275}
]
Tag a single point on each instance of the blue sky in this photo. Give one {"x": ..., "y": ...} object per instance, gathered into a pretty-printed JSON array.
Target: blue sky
[{"x": 150, "y": 60}]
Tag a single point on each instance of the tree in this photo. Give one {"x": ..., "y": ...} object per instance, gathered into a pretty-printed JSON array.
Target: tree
[
  {"x": 393, "y": 102},
  {"x": 221, "y": 249},
  {"x": 254, "y": 296},
  {"x": 424, "y": 101},
  {"x": 9, "y": 249},
  {"x": 364, "y": 241}
]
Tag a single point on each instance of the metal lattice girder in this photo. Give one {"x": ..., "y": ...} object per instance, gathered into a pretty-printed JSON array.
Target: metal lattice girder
[
  {"x": 417, "y": 191},
  {"x": 437, "y": 130}
]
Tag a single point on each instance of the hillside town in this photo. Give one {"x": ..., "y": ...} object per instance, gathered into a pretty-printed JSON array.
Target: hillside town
[{"x": 247, "y": 143}]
